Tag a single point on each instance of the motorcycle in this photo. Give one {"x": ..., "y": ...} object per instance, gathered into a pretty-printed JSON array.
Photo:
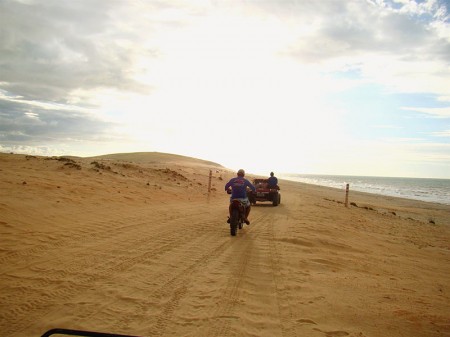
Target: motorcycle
[{"x": 237, "y": 215}]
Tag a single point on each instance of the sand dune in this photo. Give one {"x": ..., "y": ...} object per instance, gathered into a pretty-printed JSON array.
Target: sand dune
[{"x": 135, "y": 244}]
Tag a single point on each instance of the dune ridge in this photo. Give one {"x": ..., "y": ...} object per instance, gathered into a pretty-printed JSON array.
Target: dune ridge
[
  {"x": 156, "y": 157},
  {"x": 136, "y": 244}
]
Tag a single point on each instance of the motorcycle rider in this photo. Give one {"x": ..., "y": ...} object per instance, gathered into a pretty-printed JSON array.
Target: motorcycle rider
[{"x": 238, "y": 187}]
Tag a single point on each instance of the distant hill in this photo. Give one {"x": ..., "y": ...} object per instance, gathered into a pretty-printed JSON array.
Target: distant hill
[{"x": 154, "y": 157}]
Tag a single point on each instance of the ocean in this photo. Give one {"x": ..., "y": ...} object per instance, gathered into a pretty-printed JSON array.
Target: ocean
[{"x": 424, "y": 189}]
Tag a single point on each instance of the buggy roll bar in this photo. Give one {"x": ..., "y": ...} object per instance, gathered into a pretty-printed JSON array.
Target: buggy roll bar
[{"x": 70, "y": 332}]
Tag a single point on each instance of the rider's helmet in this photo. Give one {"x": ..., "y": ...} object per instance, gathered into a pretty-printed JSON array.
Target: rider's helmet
[
  {"x": 241, "y": 173},
  {"x": 271, "y": 174}
]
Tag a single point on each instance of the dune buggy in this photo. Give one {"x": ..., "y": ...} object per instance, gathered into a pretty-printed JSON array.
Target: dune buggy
[{"x": 264, "y": 192}]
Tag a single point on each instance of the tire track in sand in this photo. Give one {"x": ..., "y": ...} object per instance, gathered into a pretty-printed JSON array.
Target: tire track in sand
[
  {"x": 81, "y": 231},
  {"x": 284, "y": 308},
  {"x": 225, "y": 312},
  {"x": 94, "y": 268},
  {"x": 179, "y": 283}
]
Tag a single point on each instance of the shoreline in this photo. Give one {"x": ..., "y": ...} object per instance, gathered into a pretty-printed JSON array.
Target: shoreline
[
  {"x": 420, "y": 210},
  {"x": 386, "y": 186}
]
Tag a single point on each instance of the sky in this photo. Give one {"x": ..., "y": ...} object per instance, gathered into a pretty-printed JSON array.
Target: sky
[{"x": 355, "y": 87}]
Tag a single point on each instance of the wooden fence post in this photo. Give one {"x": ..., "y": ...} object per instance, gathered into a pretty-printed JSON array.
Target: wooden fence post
[
  {"x": 209, "y": 182},
  {"x": 347, "y": 188}
]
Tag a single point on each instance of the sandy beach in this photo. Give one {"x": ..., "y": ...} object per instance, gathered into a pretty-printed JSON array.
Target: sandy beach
[{"x": 135, "y": 244}]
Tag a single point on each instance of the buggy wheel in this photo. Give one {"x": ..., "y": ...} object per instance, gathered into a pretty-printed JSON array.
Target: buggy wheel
[
  {"x": 275, "y": 199},
  {"x": 234, "y": 219}
]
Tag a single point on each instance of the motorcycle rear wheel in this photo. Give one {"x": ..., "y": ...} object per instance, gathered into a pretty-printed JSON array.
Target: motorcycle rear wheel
[{"x": 234, "y": 219}]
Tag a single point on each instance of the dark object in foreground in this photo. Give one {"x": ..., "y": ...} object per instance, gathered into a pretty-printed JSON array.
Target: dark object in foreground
[{"x": 70, "y": 332}]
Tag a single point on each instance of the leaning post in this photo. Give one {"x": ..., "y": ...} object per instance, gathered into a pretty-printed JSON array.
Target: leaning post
[
  {"x": 209, "y": 182},
  {"x": 347, "y": 188}
]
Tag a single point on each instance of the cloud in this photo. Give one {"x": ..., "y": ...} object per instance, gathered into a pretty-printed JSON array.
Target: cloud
[
  {"x": 445, "y": 133},
  {"x": 432, "y": 112},
  {"x": 404, "y": 49},
  {"x": 54, "y": 50},
  {"x": 387, "y": 127},
  {"x": 56, "y": 57},
  {"x": 49, "y": 49},
  {"x": 24, "y": 122}
]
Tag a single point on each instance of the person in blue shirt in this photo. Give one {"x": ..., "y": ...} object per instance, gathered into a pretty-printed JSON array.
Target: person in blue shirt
[
  {"x": 272, "y": 181},
  {"x": 238, "y": 187}
]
